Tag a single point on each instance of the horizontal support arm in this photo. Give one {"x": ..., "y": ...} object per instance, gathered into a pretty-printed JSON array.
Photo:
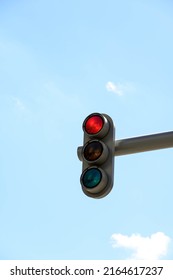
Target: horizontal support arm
[
  {"x": 140, "y": 144},
  {"x": 143, "y": 143}
]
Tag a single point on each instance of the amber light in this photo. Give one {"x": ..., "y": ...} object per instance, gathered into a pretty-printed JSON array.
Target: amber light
[{"x": 93, "y": 151}]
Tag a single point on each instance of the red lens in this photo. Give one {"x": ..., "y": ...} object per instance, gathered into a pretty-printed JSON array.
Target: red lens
[{"x": 94, "y": 124}]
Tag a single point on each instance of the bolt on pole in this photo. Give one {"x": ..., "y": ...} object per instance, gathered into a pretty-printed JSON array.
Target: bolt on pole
[{"x": 143, "y": 143}]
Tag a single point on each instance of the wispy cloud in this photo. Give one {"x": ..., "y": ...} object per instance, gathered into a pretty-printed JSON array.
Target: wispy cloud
[
  {"x": 143, "y": 248},
  {"x": 110, "y": 86},
  {"x": 118, "y": 88},
  {"x": 18, "y": 103}
]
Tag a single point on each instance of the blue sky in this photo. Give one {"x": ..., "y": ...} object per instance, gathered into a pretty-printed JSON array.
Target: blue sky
[{"x": 59, "y": 62}]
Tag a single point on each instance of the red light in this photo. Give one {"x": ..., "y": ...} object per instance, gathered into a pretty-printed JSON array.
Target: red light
[{"x": 94, "y": 124}]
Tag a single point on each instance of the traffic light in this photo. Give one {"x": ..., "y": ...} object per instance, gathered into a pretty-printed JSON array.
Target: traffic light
[{"x": 97, "y": 155}]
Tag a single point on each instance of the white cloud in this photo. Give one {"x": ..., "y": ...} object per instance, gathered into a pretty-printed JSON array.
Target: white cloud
[
  {"x": 18, "y": 103},
  {"x": 144, "y": 248},
  {"x": 120, "y": 89},
  {"x": 116, "y": 88}
]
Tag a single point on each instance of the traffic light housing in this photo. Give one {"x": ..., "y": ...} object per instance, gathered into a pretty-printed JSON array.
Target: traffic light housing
[{"x": 97, "y": 155}]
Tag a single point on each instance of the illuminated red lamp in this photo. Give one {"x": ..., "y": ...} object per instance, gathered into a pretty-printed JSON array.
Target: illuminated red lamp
[{"x": 96, "y": 125}]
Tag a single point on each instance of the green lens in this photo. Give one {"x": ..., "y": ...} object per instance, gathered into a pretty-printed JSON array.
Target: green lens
[{"x": 92, "y": 178}]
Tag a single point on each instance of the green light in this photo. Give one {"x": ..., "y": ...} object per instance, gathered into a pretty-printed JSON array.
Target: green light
[{"x": 92, "y": 178}]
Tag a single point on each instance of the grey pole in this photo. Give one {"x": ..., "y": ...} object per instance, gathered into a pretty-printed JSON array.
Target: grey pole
[
  {"x": 144, "y": 143},
  {"x": 140, "y": 144}
]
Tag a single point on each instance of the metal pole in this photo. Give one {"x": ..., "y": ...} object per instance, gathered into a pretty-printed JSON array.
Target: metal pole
[
  {"x": 143, "y": 143},
  {"x": 140, "y": 144}
]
